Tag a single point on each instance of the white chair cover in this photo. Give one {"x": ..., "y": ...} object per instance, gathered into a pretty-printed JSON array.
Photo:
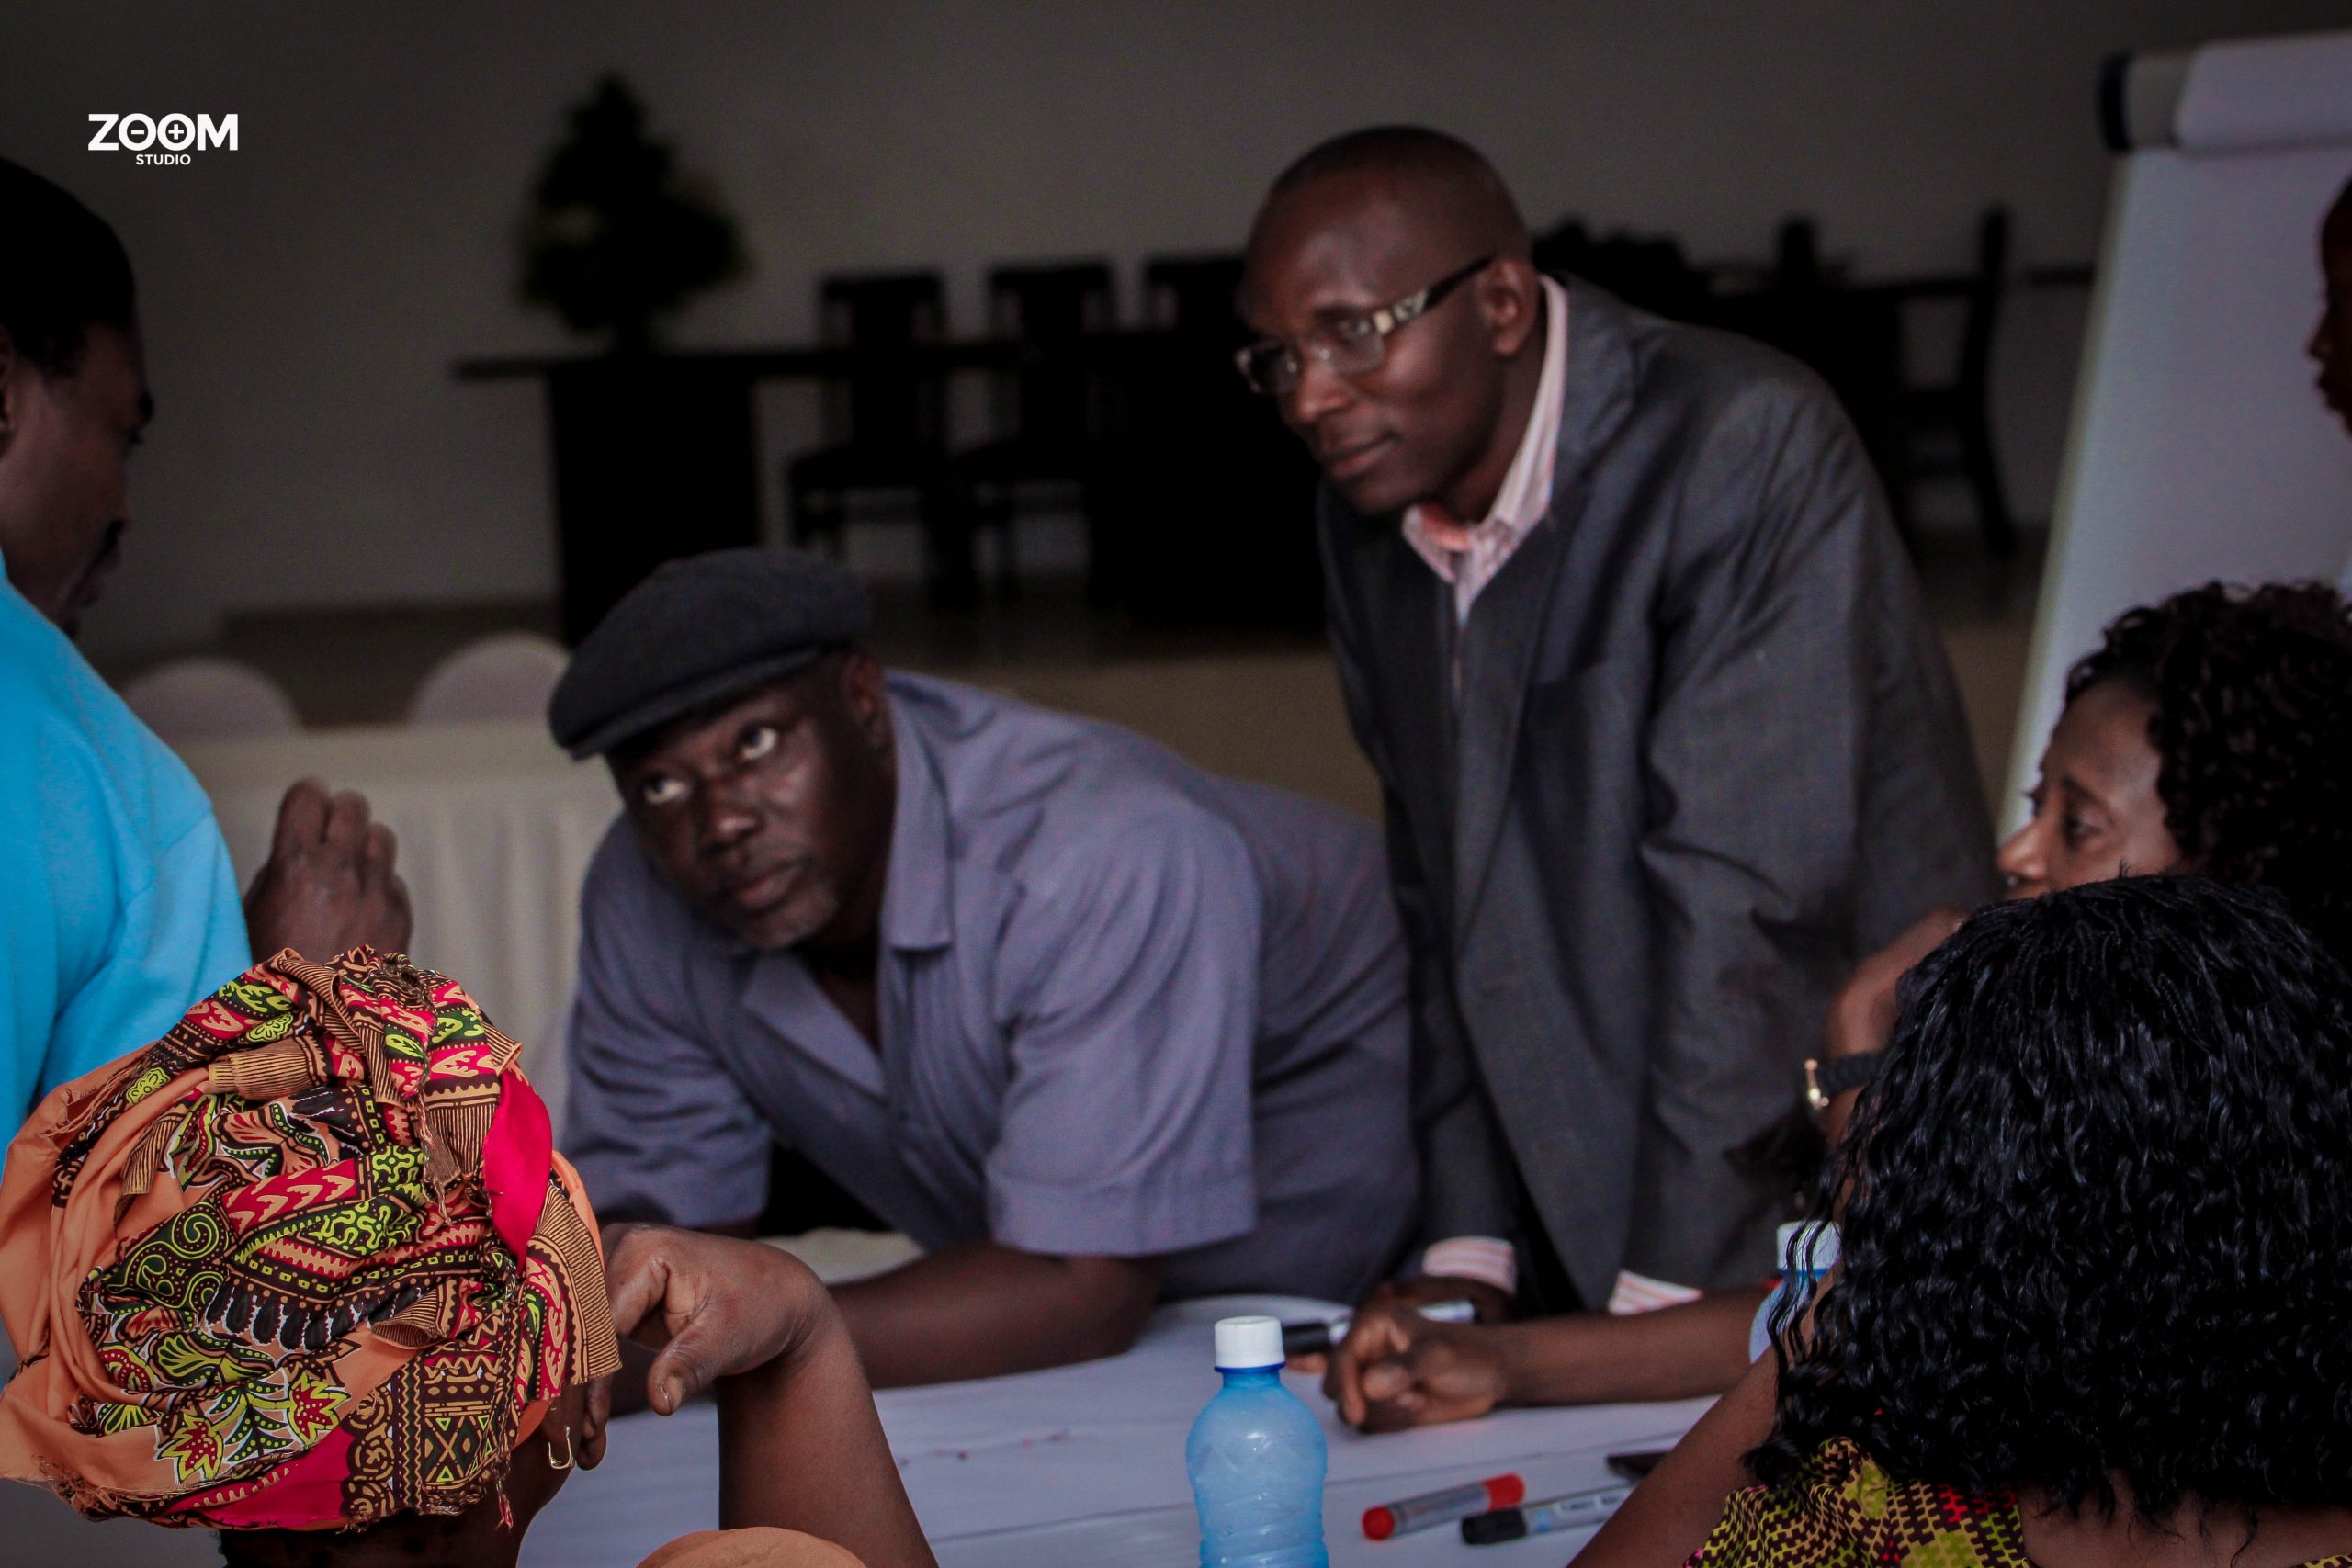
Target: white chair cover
[
  {"x": 506, "y": 676},
  {"x": 210, "y": 699}
]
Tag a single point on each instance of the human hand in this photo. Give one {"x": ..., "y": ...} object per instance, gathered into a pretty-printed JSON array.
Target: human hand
[
  {"x": 331, "y": 883},
  {"x": 711, "y": 1305},
  {"x": 1487, "y": 1304},
  {"x": 1397, "y": 1370},
  {"x": 1861, "y": 1016}
]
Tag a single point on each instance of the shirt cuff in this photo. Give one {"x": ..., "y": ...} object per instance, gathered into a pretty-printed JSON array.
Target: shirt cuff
[
  {"x": 1485, "y": 1259},
  {"x": 1638, "y": 1293}
]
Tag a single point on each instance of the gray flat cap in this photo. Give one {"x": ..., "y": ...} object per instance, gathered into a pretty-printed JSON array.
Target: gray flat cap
[{"x": 697, "y": 631}]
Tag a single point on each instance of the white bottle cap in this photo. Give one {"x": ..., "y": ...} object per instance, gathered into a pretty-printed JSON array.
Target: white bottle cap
[
  {"x": 1818, "y": 1238},
  {"x": 1247, "y": 1342}
]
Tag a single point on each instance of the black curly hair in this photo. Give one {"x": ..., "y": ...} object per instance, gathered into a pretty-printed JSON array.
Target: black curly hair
[
  {"x": 2252, "y": 690},
  {"x": 2096, "y": 1211}
]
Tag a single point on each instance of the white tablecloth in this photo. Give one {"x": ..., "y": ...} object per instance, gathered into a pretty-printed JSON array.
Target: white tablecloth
[
  {"x": 1086, "y": 1465},
  {"x": 1081, "y": 1465},
  {"x": 496, "y": 826}
]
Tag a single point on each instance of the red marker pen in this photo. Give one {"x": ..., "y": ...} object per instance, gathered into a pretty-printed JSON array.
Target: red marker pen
[{"x": 1441, "y": 1507}]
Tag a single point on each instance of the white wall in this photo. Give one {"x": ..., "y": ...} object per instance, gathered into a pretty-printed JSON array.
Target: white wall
[{"x": 305, "y": 295}]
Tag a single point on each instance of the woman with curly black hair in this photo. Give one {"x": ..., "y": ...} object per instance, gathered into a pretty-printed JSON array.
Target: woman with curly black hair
[
  {"x": 2210, "y": 732},
  {"x": 2206, "y": 733},
  {"x": 2094, "y": 1309}
]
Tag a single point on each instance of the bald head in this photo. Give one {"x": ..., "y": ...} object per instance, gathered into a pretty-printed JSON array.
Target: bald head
[
  {"x": 1354, "y": 227},
  {"x": 1443, "y": 179}
]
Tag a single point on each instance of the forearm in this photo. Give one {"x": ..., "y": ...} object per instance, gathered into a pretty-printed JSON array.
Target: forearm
[
  {"x": 801, "y": 1448},
  {"x": 1670, "y": 1515},
  {"x": 981, "y": 1310},
  {"x": 1678, "y": 1352}
]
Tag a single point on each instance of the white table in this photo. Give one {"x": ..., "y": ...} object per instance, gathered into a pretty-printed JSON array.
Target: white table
[
  {"x": 496, "y": 827},
  {"x": 1086, "y": 1465}
]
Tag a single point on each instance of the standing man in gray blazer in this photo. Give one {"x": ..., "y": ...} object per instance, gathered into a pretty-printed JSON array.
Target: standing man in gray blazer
[{"x": 1667, "y": 742}]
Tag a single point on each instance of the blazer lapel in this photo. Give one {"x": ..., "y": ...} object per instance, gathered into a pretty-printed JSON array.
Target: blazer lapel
[
  {"x": 1498, "y": 648},
  {"x": 1407, "y": 599},
  {"x": 1508, "y": 622}
]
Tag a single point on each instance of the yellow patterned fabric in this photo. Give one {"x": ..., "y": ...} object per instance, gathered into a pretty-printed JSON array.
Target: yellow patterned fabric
[
  {"x": 1845, "y": 1512},
  {"x": 309, "y": 1261}
]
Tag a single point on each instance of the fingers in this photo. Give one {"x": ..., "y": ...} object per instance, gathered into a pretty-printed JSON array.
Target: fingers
[
  {"x": 301, "y": 816},
  {"x": 1374, "y": 1338},
  {"x": 383, "y": 891},
  {"x": 1397, "y": 1392},
  {"x": 682, "y": 1370},
  {"x": 636, "y": 1279},
  {"x": 600, "y": 1407},
  {"x": 661, "y": 1298},
  {"x": 400, "y": 923},
  {"x": 377, "y": 851},
  {"x": 346, "y": 824},
  {"x": 1385, "y": 1381}
]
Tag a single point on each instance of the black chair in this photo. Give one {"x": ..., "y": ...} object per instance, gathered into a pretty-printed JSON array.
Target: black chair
[
  {"x": 885, "y": 425},
  {"x": 1646, "y": 271},
  {"x": 1195, "y": 295},
  {"x": 1948, "y": 424},
  {"x": 1047, "y": 408}
]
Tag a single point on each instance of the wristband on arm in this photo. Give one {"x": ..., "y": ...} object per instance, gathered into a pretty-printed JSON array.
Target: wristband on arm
[{"x": 1825, "y": 1081}]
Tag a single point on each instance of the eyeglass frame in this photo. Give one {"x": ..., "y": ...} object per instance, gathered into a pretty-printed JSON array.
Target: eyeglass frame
[{"x": 1381, "y": 322}]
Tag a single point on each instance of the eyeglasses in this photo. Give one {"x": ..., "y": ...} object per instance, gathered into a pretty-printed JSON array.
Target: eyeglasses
[{"x": 1350, "y": 345}]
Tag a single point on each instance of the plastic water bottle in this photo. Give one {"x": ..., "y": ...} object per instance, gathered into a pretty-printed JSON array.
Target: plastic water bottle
[
  {"x": 1256, "y": 1458},
  {"x": 1817, "y": 1240}
]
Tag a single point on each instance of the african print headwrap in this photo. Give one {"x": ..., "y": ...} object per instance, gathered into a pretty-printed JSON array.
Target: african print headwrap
[{"x": 307, "y": 1260}]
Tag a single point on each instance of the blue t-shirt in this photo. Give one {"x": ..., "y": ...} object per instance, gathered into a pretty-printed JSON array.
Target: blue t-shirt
[{"x": 119, "y": 909}]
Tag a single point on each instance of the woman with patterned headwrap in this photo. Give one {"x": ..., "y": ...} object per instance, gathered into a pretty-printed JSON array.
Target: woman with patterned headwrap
[{"x": 309, "y": 1271}]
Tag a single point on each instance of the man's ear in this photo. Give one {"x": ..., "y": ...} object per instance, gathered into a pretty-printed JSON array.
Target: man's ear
[
  {"x": 1508, "y": 293},
  {"x": 868, "y": 699}
]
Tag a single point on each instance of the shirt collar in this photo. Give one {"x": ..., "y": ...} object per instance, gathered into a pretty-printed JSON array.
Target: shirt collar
[
  {"x": 917, "y": 905},
  {"x": 1526, "y": 492}
]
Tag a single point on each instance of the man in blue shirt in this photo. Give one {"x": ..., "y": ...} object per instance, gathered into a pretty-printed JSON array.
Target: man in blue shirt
[
  {"x": 118, "y": 906},
  {"x": 1093, "y": 1027}
]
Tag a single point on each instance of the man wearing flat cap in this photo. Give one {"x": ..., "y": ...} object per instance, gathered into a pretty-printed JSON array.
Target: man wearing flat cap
[{"x": 1092, "y": 1027}]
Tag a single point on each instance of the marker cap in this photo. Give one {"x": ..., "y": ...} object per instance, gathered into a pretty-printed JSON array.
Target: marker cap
[
  {"x": 1487, "y": 1529},
  {"x": 1243, "y": 1343},
  {"x": 1499, "y": 1492}
]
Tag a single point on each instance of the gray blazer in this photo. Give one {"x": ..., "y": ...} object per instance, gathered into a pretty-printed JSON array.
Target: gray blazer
[{"x": 1707, "y": 754}]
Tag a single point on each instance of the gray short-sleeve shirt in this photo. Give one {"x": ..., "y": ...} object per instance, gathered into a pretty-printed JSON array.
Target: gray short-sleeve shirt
[{"x": 1128, "y": 1009}]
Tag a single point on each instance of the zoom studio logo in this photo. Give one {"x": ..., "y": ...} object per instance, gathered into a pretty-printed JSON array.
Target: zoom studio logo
[{"x": 162, "y": 138}]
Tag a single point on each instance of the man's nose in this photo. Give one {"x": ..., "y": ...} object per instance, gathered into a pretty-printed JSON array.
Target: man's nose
[
  {"x": 2321, "y": 346},
  {"x": 725, "y": 817},
  {"x": 1320, "y": 393}
]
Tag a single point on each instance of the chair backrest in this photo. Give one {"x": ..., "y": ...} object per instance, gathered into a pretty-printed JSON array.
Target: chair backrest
[
  {"x": 881, "y": 403},
  {"x": 210, "y": 699},
  {"x": 508, "y": 675},
  {"x": 1646, "y": 271},
  {"x": 1050, "y": 398},
  {"x": 1984, "y": 300},
  {"x": 1193, "y": 294}
]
